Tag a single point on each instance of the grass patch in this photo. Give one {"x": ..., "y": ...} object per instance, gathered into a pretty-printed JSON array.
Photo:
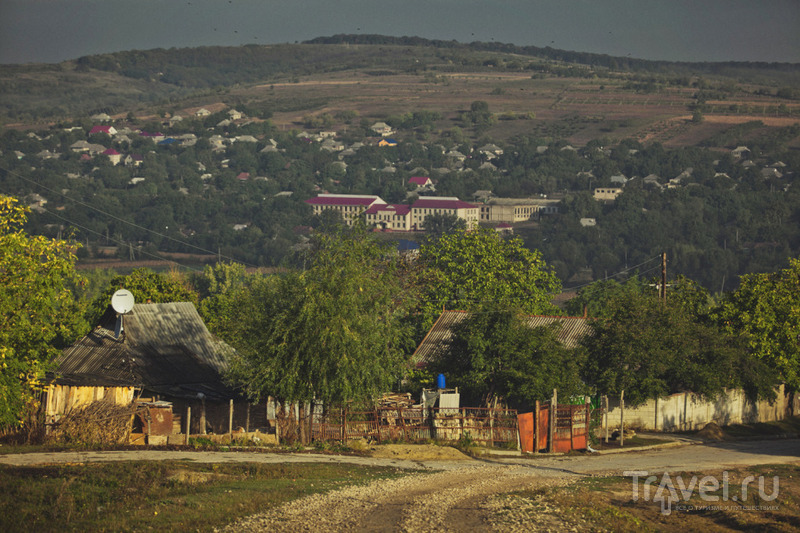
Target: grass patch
[
  {"x": 606, "y": 504},
  {"x": 789, "y": 426},
  {"x": 162, "y": 496},
  {"x": 630, "y": 442}
]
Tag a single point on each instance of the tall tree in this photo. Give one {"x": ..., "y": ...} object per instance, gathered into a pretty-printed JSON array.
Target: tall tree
[
  {"x": 38, "y": 314},
  {"x": 146, "y": 286},
  {"x": 650, "y": 348},
  {"x": 766, "y": 307},
  {"x": 470, "y": 269},
  {"x": 332, "y": 332}
]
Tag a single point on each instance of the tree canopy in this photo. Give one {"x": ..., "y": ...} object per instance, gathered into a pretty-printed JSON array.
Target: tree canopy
[
  {"x": 766, "y": 307},
  {"x": 38, "y": 314},
  {"x": 469, "y": 269},
  {"x": 145, "y": 285},
  {"x": 332, "y": 332},
  {"x": 496, "y": 355},
  {"x": 650, "y": 348}
]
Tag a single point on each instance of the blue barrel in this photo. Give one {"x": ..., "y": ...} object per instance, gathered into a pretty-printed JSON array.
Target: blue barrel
[{"x": 440, "y": 381}]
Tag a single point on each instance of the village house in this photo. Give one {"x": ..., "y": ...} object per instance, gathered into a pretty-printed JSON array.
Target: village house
[
  {"x": 382, "y": 129},
  {"x": 113, "y": 156},
  {"x": 607, "y": 194},
  {"x": 421, "y": 182},
  {"x": 163, "y": 360},
  {"x": 108, "y": 130}
]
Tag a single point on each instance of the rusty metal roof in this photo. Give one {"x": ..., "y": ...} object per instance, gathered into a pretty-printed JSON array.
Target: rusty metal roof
[
  {"x": 436, "y": 342},
  {"x": 164, "y": 347}
]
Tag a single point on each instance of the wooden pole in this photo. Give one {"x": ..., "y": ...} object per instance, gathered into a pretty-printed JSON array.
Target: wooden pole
[
  {"x": 664, "y": 277},
  {"x": 553, "y": 414},
  {"x": 202, "y": 416},
  {"x": 605, "y": 416},
  {"x": 188, "y": 424},
  {"x": 536, "y": 408},
  {"x": 622, "y": 418},
  {"x": 230, "y": 419},
  {"x": 247, "y": 419}
]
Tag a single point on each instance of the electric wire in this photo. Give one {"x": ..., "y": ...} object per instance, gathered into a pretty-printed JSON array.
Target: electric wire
[{"x": 114, "y": 217}]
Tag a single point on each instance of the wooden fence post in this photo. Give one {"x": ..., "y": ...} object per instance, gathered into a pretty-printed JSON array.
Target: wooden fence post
[
  {"x": 605, "y": 416},
  {"x": 622, "y": 418},
  {"x": 536, "y": 430},
  {"x": 247, "y": 419},
  {"x": 188, "y": 424},
  {"x": 553, "y": 414},
  {"x": 230, "y": 419}
]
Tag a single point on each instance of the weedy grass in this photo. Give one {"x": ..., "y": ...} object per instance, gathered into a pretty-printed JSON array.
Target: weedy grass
[
  {"x": 606, "y": 504},
  {"x": 160, "y": 496}
]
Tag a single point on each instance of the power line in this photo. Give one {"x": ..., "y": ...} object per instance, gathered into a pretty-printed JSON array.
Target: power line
[
  {"x": 133, "y": 224},
  {"x": 121, "y": 243}
]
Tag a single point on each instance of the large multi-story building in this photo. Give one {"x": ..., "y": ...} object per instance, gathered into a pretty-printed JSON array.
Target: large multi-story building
[
  {"x": 513, "y": 210},
  {"x": 425, "y": 207},
  {"x": 397, "y": 217},
  {"x": 393, "y": 216},
  {"x": 350, "y": 206}
]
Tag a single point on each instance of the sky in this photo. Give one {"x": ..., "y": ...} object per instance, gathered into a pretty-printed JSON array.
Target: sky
[{"x": 49, "y": 31}]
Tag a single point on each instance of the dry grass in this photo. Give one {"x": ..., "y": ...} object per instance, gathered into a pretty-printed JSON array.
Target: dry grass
[{"x": 98, "y": 423}]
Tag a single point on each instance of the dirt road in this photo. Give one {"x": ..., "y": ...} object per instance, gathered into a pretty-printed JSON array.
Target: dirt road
[{"x": 457, "y": 495}]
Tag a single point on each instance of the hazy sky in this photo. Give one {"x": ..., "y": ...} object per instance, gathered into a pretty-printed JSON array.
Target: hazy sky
[{"x": 699, "y": 30}]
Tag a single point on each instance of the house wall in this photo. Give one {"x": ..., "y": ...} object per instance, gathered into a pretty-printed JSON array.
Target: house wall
[
  {"x": 60, "y": 399},
  {"x": 689, "y": 411}
]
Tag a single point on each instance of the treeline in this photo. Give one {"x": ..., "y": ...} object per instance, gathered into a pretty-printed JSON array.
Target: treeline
[{"x": 735, "y": 69}]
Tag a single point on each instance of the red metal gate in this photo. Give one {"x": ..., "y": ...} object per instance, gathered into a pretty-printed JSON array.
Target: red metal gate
[{"x": 571, "y": 429}]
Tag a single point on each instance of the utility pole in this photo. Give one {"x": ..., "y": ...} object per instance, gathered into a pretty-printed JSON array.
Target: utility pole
[{"x": 664, "y": 277}]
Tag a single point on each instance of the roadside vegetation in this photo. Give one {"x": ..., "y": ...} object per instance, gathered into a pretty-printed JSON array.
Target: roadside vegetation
[
  {"x": 161, "y": 496},
  {"x": 606, "y": 504}
]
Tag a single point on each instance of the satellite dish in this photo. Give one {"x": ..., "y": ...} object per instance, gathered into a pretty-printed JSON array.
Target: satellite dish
[{"x": 122, "y": 302}]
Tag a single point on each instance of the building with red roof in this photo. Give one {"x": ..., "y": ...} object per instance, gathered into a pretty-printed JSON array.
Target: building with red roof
[
  {"x": 350, "y": 206},
  {"x": 108, "y": 130},
  {"x": 113, "y": 156},
  {"x": 426, "y": 206},
  {"x": 420, "y": 181},
  {"x": 392, "y": 216}
]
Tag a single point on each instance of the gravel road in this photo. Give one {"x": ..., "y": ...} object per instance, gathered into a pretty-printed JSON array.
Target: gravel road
[{"x": 463, "y": 495}]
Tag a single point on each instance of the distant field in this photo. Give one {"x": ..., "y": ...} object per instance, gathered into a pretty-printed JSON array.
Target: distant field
[{"x": 568, "y": 108}]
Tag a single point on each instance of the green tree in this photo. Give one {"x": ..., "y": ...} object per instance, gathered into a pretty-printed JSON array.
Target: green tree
[
  {"x": 650, "y": 348},
  {"x": 38, "y": 314},
  {"x": 146, "y": 286},
  {"x": 469, "y": 269},
  {"x": 437, "y": 225},
  {"x": 495, "y": 355},
  {"x": 766, "y": 307},
  {"x": 330, "y": 333},
  {"x": 219, "y": 287}
]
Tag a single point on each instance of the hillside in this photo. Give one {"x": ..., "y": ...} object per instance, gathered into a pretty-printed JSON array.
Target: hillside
[{"x": 565, "y": 124}]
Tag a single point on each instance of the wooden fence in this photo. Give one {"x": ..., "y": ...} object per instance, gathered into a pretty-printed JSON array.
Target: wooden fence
[{"x": 489, "y": 427}]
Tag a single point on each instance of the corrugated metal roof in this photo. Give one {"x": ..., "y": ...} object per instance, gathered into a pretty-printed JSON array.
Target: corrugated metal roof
[
  {"x": 165, "y": 347},
  {"x": 436, "y": 342}
]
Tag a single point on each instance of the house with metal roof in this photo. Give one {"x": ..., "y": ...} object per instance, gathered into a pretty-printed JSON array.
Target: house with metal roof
[
  {"x": 437, "y": 341},
  {"x": 164, "y": 354}
]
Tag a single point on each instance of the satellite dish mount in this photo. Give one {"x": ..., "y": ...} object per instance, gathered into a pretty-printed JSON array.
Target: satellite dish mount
[{"x": 122, "y": 302}]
